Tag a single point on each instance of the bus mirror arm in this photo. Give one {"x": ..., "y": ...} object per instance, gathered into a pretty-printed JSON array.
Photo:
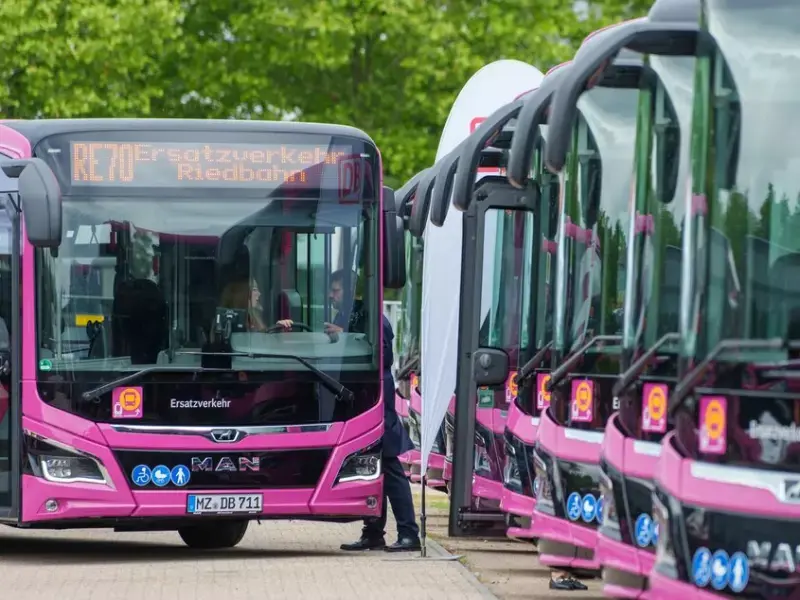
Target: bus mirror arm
[
  {"x": 695, "y": 376},
  {"x": 568, "y": 365},
  {"x": 529, "y": 367},
  {"x": 632, "y": 373},
  {"x": 645, "y": 35}
]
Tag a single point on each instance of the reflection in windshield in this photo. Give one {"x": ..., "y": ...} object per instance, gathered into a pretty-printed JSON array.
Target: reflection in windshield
[
  {"x": 652, "y": 309},
  {"x": 596, "y": 217},
  {"x": 748, "y": 280},
  {"x": 138, "y": 282}
]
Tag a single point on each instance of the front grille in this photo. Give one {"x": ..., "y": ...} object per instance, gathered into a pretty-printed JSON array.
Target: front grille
[{"x": 227, "y": 470}]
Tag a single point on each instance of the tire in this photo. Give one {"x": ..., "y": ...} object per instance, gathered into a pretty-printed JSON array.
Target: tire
[{"x": 214, "y": 535}]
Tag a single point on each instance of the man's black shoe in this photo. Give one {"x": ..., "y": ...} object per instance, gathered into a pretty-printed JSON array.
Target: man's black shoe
[
  {"x": 365, "y": 543},
  {"x": 404, "y": 545},
  {"x": 567, "y": 583}
]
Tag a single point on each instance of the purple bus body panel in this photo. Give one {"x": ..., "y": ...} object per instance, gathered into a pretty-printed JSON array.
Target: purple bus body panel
[
  {"x": 553, "y": 439},
  {"x": 674, "y": 475},
  {"x": 81, "y": 500},
  {"x": 620, "y": 452},
  {"x": 523, "y": 427}
]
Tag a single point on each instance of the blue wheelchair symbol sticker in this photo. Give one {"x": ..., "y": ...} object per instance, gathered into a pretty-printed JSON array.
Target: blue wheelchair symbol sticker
[
  {"x": 643, "y": 530},
  {"x": 599, "y": 515},
  {"x": 738, "y": 572},
  {"x": 701, "y": 567},
  {"x": 180, "y": 475},
  {"x": 141, "y": 475},
  {"x": 588, "y": 508},
  {"x": 574, "y": 506},
  {"x": 161, "y": 475},
  {"x": 719, "y": 570}
]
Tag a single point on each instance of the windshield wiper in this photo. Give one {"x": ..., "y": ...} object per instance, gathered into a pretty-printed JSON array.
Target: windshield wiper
[
  {"x": 695, "y": 376},
  {"x": 530, "y": 367},
  {"x": 131, "y": 377},
  {"x": 341, "y": 392}
]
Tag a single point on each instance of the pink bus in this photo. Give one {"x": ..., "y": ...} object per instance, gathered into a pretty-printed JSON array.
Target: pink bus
[{"x": 147, "y": 384}]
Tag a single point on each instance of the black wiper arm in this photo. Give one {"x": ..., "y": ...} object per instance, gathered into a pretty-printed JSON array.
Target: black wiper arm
[
  {"x": 131, "y": 377},
  {"x": 693, "y": 377},
  {"x": 568, "y": 365},
  {"x": 628, "y": 376},
  {"x": 529, "y": 367},
  {"x": 342, "y": 393}
]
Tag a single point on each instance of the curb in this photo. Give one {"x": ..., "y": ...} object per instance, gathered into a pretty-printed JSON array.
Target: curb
[{"x": 439, "y": 550}]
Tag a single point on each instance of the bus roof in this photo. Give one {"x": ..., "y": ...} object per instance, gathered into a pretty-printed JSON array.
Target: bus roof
[{"x": 37, "y": 130}]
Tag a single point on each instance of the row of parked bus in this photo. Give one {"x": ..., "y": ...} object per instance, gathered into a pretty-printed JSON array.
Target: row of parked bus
[{"x": 637, "y": 413}]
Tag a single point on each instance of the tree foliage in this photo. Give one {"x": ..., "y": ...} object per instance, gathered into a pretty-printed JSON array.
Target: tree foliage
[{"x": 390, "y": 67}]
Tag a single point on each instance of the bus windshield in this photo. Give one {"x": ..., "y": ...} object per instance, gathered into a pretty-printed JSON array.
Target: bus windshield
[
  {"x": 654, "y": 283},
  {"x": 596, "y": 219},
  {"x": 747, "y": 280},
  {"x": 173, "y": 284}
]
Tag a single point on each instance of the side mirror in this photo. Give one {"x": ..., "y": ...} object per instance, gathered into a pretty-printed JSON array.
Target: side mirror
[
  {"x": 651, "y": 35},
  {"x": 394, "y": 243},
  {"x": 470, "y": 158},
  {"x": 526, "y": 132},
  {"x": 490, "y": 366},
  {"x": 40, "y": 199}
]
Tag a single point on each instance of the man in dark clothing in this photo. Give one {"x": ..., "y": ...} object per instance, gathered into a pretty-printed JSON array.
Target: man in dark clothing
[{"x": 396, "y": 487}]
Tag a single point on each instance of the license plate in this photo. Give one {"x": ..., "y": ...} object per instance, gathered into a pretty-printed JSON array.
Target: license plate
[{"x": 223, "y": 504}]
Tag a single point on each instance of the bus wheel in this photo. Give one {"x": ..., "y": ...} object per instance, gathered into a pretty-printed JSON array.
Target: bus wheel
[{"x": 213, "y": 535}]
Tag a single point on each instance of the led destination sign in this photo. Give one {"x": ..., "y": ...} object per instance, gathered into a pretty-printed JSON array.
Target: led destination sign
[{"x": 188, "y": 164}]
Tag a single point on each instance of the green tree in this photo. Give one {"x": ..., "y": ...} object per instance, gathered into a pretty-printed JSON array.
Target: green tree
[
  {"x": 391, "y": 67},
  {"x": 74, "y": 58}
]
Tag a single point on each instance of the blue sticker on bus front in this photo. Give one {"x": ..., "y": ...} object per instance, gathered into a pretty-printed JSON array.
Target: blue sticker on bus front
[
  {"x": 141, "y": 475},
  {"x": 654, "y": 535},
  {"x": 574, "y": 506},
  {"x": 701, "y": 567},
  {"x": 719, "y": 570},
  {"x": 599, "y": 515},
  {"x": 179, "y": 475},
  {"x": 738, "y": 573},
  {"x": 643, "y": 530},
  {"x": 161, "y": 475},
  {"x": 588, "y": 508}
]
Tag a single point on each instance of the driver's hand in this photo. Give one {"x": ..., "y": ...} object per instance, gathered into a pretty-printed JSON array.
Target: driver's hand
[
  {"x": 285, "y": 323},
  {"x": 331, "y": 328}
]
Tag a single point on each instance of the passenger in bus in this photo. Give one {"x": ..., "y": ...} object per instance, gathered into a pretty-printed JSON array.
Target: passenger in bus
[
  {"x": 396, "y": 486},
  {"x": 244, "y": 294},
  {"x": 354, "y": 319}
]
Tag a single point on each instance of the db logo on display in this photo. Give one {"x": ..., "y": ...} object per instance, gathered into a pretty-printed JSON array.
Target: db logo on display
[{"x": 351, "y": 176}]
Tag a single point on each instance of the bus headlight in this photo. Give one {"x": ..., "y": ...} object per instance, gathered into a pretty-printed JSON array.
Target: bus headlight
[
  {"x": 364, "y": 465},
  {"x": 666, "y": 562},
  {"x": 542, "y": 466},
  {"x": 609, "y": 521},
  {"x": 60, "y": 463}
]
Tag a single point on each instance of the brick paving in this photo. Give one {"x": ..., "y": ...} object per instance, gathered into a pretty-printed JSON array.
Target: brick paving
[{"x": 280, "y": 560}]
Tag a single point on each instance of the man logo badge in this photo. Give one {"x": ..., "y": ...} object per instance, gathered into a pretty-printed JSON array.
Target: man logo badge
[
  {"x": 225, "y": 436},
  {"x": 791, "y": 490}
]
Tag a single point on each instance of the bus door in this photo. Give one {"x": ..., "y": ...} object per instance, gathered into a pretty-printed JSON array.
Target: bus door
[
  {"x": 484, "y": 307},
  {"x": 10, "y": 355}
]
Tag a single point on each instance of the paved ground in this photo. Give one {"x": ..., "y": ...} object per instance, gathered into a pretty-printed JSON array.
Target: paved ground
[
  {"x": 281, "y": 560},
  {"x": 511, "y": 570}
]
